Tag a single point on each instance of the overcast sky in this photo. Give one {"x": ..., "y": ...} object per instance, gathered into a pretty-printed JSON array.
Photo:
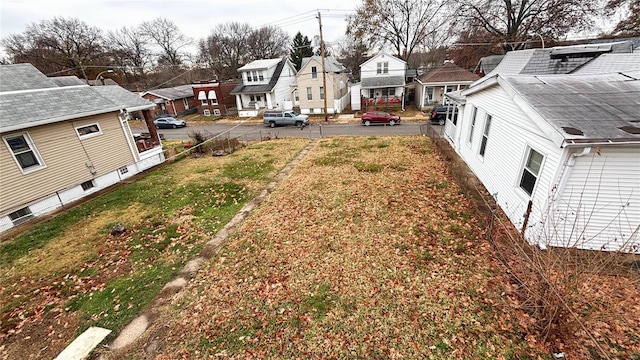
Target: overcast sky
[{"x": 195, "y": 18}]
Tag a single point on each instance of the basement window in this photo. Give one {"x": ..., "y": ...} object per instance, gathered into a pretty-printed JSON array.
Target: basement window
[
  {"x": 87, "y": 185},
  {"x": 20, "y": 216}
]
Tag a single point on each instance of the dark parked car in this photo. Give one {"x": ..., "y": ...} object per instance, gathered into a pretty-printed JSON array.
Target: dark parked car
[
  {"x": 439, "y": 114},
  {"x": 373, "y": 117},
  {"x": 169, "y": 123}
]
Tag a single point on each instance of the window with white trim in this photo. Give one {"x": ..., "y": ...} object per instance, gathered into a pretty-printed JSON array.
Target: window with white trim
[
  {"x": 203, "y": 102},
  {"x": 382, "y": 67},
  {"x": 248, "y": 76},
  {"x": 314, "y": 72},
  {"x": 213, "y": 97},
  {"x": 321, "y": 93},
  {"x": 531, "y": 171},
  {"x": 485, "y": 136},
  {"x": 24, "y": 152},
  {"x": 260, "y": 75},
  {"x": 123, "y": 170},
  {"x": 87, "y": 131},
  {"x": 309, "y": 94},
  {"x": 216, "y": 112},
  {"x": 206, "y": 112},
  {"x": 472, "y": 124},
  {"x": 20, "y": 216}
]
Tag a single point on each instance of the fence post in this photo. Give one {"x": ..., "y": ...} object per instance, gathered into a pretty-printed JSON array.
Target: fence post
[{"x": 321, "y": 134}]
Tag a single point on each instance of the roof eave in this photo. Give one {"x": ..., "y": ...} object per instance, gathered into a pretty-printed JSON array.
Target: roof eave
[{"x": 58, "y": 119}]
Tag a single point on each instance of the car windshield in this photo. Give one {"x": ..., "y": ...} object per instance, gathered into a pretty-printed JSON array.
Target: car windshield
[{"x": 293, "y": 113}]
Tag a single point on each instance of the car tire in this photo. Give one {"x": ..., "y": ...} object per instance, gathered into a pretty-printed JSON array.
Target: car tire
[
  {"x": 367, "y": 123},
  {"x": 392, "y": 122},
  {"x": 441, "y": 122},
  {"x": 173, "y": 126},
  {"x": 272, "y": 124},
  {"x": 298, "y": 123}
]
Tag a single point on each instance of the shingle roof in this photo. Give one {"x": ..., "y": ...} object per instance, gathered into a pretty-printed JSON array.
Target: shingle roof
[
  {"x": 23, "y": 77},
  {"x": 172, "y": 93},
  {"x": 606, "y": 63},
  {"x": 449, "y": 72},
  {"x": 67, "y": 81},
  {"x": 260, "y": 64},
  {"x": 38, "y": 106},
  {"x": 330, "y": 63},
  {"x": 264, "y": 88},
  {"x": 382, "y": 82},
  {"x": 596, "y": 105}
]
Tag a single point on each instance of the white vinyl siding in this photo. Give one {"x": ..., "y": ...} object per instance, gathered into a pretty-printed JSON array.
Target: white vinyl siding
[
  {"x": 472, "y": 124},
  {"x": 599, "y": 206}
]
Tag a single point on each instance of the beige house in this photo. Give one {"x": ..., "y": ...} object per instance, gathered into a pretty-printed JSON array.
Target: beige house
[
  {"x": 61, "y": 143},
  {"x": 435, "y": 83},
  {"x": 310, "y": 93}
]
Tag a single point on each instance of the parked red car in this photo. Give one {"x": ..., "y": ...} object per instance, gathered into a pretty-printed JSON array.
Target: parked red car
[{"x": 373, "y": 117}]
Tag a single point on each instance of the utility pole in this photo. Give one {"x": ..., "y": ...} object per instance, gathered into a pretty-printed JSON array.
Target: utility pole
[{"x": 324, "y": 72}]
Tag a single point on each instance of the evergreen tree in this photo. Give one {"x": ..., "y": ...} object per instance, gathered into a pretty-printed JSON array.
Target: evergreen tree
[{"x": 300, "y": 48}]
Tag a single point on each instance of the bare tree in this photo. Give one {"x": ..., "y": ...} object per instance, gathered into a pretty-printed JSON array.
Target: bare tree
[
  {"x": 57, "y": 45},
  {"x": 166, "y": 35},
  {"x": 402, "y": 24},
  {"x": 129, "y": 50},
  {"x": 629, "y": 26},
  {"x": 351, "y": 52},
  {"x": 512, "y": 23},
  {"x": 226, "y": 49},
  {"x": 268, "y": 42}
]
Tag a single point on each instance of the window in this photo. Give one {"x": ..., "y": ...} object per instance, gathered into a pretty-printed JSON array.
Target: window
[
  {"x": 485, "y": 136},
  {"x": 321, "y": 93},
  {"x": 392, "y": 92},
  {"x": 203, "y": 102},
  {"x": 309, "y": 94},
  {"x": 382, "y": 67},
  {"x": 531, "y": 171},
  {"x": 372, "y": 93},
  {"x": 472, "y": 126},
  {"x": 260, "y": 76},
  {"x": 123, "y": 170},
  {"x": 258, "y": 98},
  {"x": 248, "y": 76},
  {"x": 296, "y": 96},
  {"x": 24, "y": 152},
  {"x": 87, "y": 185},
  {"x": 314, "y": 72},
  {"x": 255, "y": 75},
  {"x": 20, "y": 216},
  {"x": 216, "y": 112},
  {"x": 213, "y": 97},
  {"x": 252, "y": 98},
  {"x": 206, "y": 112},
  {"x": 88, "y": 131}
]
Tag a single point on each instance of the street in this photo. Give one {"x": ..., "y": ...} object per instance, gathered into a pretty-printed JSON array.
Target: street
[{"x": 258, "y": 131}]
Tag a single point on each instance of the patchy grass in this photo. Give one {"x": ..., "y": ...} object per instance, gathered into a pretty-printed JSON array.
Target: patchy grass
[
  {"x": 69, "y": 273},
  {"x": 343, "y": 263}
]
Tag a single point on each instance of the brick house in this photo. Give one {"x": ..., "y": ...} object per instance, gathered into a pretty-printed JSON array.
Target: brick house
[
  {"x": 176, "y": 101},
  {"x": 214, "y": 98}
]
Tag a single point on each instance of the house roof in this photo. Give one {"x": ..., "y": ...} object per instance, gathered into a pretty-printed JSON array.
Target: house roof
[
  {"x": 263, "y": 88},
  {"x": 24, "y": 108},
  {"x": 67, "y": 80},
  {"x": 584, "y": 108},
  {"x": 18, "y": 77},
  {"x": 606, "y": 63},
  {"x": 448, "y": 73},
  {"x": 172, "y": 93},
  {"x": 330, "y": 63},
  {"x": 260, "y": 64},
  {"x": 556, "y": 60},
  {"x": 382, "y": 82}
]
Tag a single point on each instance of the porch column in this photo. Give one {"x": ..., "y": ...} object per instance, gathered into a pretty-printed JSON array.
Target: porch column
[
  {"x": 269, "y": 102},
  {"x": 148, "y": 119},
  {"x": 239, "y": 101}
]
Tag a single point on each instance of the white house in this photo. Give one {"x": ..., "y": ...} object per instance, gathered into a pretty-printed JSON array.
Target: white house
[
  {"x": 382, "y": 81},
  {"x": 432, "y": 85},
  {"x": 565, "y": 146},
  {"x": 266, "y": 84}
]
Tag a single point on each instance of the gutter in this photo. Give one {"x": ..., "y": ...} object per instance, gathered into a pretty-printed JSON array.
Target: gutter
[{"x": 59, "y": 119}]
